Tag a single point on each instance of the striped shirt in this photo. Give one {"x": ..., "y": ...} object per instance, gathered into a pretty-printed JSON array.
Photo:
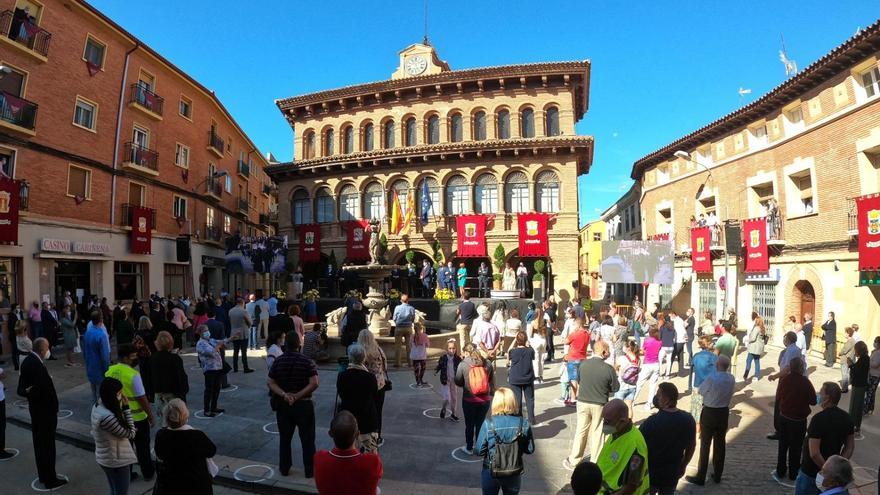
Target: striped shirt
[
  {"x": 292, "y": 371},
  {"x": 111, "y": 424}
]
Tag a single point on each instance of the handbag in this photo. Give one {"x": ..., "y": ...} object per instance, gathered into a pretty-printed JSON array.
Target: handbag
[
  {"x": 507, "y": 460},
  {"x": 388, "y": 386}
]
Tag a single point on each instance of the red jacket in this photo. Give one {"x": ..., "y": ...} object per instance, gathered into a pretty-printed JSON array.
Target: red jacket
[{"x": 347, "y": 472}]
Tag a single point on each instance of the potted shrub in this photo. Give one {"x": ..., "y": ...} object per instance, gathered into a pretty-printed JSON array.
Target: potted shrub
[
  {"x": 498, "y": 263},
  {"x": 538, "y": 277}
]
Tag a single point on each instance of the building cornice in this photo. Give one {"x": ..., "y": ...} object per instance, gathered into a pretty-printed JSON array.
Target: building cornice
[
  {"x": 572, "y": 74},
  {"x": 581, "y": 146}
]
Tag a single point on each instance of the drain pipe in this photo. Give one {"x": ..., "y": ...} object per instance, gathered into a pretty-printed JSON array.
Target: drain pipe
[{"x": 118, "y": 132}]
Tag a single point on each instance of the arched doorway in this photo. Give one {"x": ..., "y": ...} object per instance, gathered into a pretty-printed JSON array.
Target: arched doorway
[
  {"x": 805, "y": 298},
  {"x": 410, "y": 283}
]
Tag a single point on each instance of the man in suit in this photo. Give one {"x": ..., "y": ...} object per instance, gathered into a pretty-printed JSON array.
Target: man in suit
[
  {"x": 830, "y": 336},
  {"x": 36, "y": 385},
  {"x": 808, "y": 329},
  {"x": 50, "y": 325}
]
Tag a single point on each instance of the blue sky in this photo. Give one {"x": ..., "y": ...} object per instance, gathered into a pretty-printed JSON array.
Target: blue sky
[{"x": 660, "y": 69}]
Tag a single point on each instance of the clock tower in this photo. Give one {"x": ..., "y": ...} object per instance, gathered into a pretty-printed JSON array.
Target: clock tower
[{"x": 419, "y": 59}]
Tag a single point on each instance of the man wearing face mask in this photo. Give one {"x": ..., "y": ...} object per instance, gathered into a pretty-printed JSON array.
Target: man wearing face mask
[
  {"x": 37, "y": 387},
  {"x": 671, "y": 436},
  {"x": 836, "y": 475},
  {"x": 831, "y": 432},
  {"x": 141, "y": 410},
  {"x": 624, "y": 457},
  {"x": 717, "y": 390},
  {"x": 597, "y": 380}
]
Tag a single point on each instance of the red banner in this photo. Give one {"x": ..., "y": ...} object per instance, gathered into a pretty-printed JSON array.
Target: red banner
[
  {"x": 533, "y": 242},
  {"x": 757, "y": 259},
  {"x": 309, "y": 243},
  {"x": 701, "y": 257},
  {"x": 9, "y": 202},
  {"x": 471, "y": 231},
  {"x": 357, "y": 239},
  {"x": 141, "y": 230},
  {"x": 869, "y": 232}
]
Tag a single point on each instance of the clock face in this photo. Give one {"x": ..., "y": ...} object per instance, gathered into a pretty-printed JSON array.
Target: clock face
[{"x": 416, "y": 65}]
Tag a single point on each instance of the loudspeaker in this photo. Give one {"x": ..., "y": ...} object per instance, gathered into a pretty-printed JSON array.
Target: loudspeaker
[
  {"x": 733, "y": 239},
  {"x": 183, "y": 249}
]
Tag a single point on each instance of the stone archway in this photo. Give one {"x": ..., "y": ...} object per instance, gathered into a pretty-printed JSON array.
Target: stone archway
[{"x": 804, "y": 294}]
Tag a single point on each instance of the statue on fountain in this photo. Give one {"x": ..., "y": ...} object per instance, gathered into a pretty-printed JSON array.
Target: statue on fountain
[{"x": 375, "y": 247}]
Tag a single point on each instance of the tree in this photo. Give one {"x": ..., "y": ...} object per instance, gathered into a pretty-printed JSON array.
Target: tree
[
  {"x": 498, "y": 261},
  {"x": 539, "y": 270},
  {"x": 438, "y": 254},
  {"x": 410, "y": 256}
]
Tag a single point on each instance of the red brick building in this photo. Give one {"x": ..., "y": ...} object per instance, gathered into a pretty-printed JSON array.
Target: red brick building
[{"x": 94, "y": 122}]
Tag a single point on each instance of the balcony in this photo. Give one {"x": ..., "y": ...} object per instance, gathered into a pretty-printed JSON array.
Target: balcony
[
  {"x": 273, "y": 217},
  {"x": 146, "y": 101},
  {"x": 716, "y": 245},
  {"x": 214, "y": 188},
  {"x": 267, "y": 189},
  {"x": 140, "y": 159},
  {"x": 244, "y": 169},
  {"x": 127, "y": 218},
  {"x": 216, "y": 144},
  {"x": 264, "y": 219},
  {"x": 243, "y": 205},
  {"x": 27, "y": 36},
  {"x": 17, "y": 114},
  {"x": 213, "y": 233},
  {"x": 852, "y": 217}
]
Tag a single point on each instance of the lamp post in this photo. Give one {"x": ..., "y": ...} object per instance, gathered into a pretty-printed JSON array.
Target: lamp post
[{"x": 211, "y": 177}]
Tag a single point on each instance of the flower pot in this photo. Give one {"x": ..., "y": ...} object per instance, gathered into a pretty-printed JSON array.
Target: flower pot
[{"x": 496, "y": 284}]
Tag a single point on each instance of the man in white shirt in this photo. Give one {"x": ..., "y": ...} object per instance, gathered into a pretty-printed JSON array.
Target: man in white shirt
[
  {"x": 857, "y": 337},
  {"x": 801, "y": 341},
  {"x": 680, "y": 338}
]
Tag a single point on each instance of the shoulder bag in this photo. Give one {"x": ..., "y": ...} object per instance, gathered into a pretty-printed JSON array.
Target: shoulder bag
[{"x": 507, "y": 460}]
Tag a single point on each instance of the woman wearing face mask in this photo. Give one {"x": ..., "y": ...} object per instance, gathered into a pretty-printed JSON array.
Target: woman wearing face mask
[
  {"x": 113, "y": 430},
  {"x": 446, "y": 366},
  {"x": 71, "y": 336}
]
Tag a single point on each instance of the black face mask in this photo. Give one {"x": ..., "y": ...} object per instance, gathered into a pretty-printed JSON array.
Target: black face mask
[{"x": 134, "y": 363}]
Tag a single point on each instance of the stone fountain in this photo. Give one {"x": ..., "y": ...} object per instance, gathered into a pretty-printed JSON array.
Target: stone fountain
[{"x": 374, "y": 274}]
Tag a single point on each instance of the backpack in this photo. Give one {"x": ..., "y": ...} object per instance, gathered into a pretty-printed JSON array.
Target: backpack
[
  {"x": 478, "y": 379},
  {"x": 631, "y": 374},
  {"x": 507, "y": 460}
]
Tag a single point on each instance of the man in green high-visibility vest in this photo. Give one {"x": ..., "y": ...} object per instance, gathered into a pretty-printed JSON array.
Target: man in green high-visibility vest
[
  {"x": 624, "y": 457},
  {"x": 141, "y": 410}
]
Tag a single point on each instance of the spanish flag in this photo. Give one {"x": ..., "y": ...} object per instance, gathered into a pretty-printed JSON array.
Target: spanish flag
[
  {"x": 410, "y": 213},
  {"x": 396, "y": 214}
]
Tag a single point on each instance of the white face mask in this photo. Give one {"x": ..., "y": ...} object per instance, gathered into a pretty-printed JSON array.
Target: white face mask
[
  {"x": 820, "y": 481},
  {"x": 47, "y": 355}
]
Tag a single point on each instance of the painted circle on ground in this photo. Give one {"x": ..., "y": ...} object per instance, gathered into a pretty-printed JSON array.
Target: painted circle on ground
[
  {"x": 22, "y": 403},
  {"x": 414, "y": 387},
  {"x": 36, "y": 480},
  {"x": 201, "y": 415},
  {"x": 10, "y": 449},
  {"x": 268, "y": 472},
  {"x": 267, "y": 429},
  {"x": 64, "y": 413},
  {"x": 461, "y": 449},
  {"x": 196, "y": 368},
  {"x": 232, "y": 388},
  {"x": 425, "y": 413}
]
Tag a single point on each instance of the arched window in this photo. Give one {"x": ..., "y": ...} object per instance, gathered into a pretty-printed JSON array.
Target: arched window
[
  {"x": 410, "y": 132},
  {"x": 433, "y": 129},
  {"x": 551, "y": 122},
  {"x": 401, "y": 187},
  {"x": 458, "y": 196},
  {"x": 455, "y": 130},
  {"x": 309, "y": 145},
  {"x": 348, "y": 203},
  {"x": 324, "y": 206},
  {"x": 348, "y": 140},
  {"x": 547, "y": 192},
  {"x": 503, "y": 123},
  {"x": 527, "y": 123},
  {"x": 479, "y": 126},
  {"x": 374, "y": 202},
  {"x": 368, "y": 137},
  {"x": 328, "y": 142},
  {"x": 486, "y": 194},
  {"x": 302, "y": 207},
  {"x": 516, "y": 193},
  {"x": 433, "y": 194},
  {"x": 388, "y": 135}
]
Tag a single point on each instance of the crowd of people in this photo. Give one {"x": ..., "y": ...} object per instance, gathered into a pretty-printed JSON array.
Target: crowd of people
[{"x": 605, "y": 360}]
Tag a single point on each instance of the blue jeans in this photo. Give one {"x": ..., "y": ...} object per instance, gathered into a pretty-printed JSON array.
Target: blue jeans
[
  {"x": 757, "y": 359},
  {"x": 507, "y": 486},
  {"x": 805, "y": 485},
  {"x": 119, "y": 479},
  {"x": 253, "y": 342}
]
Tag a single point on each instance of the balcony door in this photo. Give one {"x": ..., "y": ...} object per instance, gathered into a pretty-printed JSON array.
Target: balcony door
[
  {"x": 141, "y": 138},
  {"x": 13, "y": 83},
  {"x": 136, "y": 194}
]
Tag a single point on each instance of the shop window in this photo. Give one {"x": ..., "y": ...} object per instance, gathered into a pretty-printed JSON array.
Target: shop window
[
  {"x": 128, "y": 280},
  {"x": 708, "y": 292},
  {"x": 175, "y": 279},
  {"x": 10, "y": 282},
  {"x": 764, "y": 303}
]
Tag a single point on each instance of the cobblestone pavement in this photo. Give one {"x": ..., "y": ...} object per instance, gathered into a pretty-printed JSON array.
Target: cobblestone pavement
[{"x": 420, "y": 454}]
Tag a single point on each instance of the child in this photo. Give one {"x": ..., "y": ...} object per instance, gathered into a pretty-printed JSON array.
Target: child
[
  {"x": 446, "y": 366},
  {"x": 419, "y": 354}
]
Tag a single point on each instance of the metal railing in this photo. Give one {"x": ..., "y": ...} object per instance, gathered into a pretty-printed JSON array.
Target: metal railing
[
  {"x": 216, "y": 142},
  {"x": 243, "y": 205},
  {"x": 18, "y": 111},
  {"x": 25, "y": 32},
  {"x": 244, "y": 169},
  {"x": 264, "y": 219},
  {"x": 775, "y": 227},
  {"x": 24, "y": 192},
  {"x": 146, "y": 98},
  {"x": 127, "y": 218},
  {"x": 852, "y": 216},
  {"x": 142, "y": 157},
  {"x": 213, "y": 233},
  {"x": 267, "y": 189},
  {"x": 214, "y": 186}
]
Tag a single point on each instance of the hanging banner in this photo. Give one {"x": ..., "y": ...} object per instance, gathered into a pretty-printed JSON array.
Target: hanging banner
[
  {"x": 357, "y": 240},
  {"x": 701, "y": 257},
  {"x": 757, "y": 258},
  {"x": 9, "y": 203},
  {"x": 471, "y": 231},
  {"x": 869, "y": 232},
  {"x": 141, "y": 230},
  {"x": 533, "y": 242},
  {"x": 309, "y": 243}
]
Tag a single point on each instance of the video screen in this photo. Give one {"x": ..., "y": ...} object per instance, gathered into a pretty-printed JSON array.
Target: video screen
[{"x": 636, "y": 262}]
